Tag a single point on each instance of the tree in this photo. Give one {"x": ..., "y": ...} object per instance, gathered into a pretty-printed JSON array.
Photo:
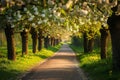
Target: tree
[
  {"x": 7, "y": 23},
  {"x": 24, "y": 36},
  {"x": 76, "y": 40},
  {"x": 85, "y": 43},
  {"x": 90, "y": 45},
  {"x": 9, "y": 32},
  {"x": 104, "y": 42},
  {"x": 40, "y": 37},
  {"x": 34, "y": 37},
  {"x": 52, "y": 41},
  {"x": 46, "y": 41},
  {"x": 114, "y": 26}
]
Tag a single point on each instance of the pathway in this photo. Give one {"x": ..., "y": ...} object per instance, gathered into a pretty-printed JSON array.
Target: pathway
[{"x": 62, "y": 66}]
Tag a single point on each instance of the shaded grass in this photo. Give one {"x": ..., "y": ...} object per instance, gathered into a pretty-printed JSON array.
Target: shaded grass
[
  {"x": 9, "y": 70},
  {"x": 96, "y": 68}
]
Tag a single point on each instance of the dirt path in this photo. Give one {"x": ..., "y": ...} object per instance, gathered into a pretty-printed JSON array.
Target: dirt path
[{"x": 62, "y": 66}]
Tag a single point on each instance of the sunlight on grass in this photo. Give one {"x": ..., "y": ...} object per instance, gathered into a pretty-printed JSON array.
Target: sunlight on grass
[
  {"x": 89, "y": 58},
  {"x": 11, "y": 69},
  {"x": 96, "y": 68}
]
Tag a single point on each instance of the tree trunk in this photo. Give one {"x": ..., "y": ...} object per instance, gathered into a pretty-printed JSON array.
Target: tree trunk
[
  {"x": 52, "y": 41},
  {"x": 39, "y": 39},
  {"x": 9, "y": 32},
  {"x": 114, "y": 25},
  {"x": 104, "y": 43},
  {"x": 90, "y": 45},
  {"x": 85, "y": 43},
  {"x": 24, "y": 36},
  {"x": 97, "y": 41},
  {"x": 57, "y": 41},
  {"x": 49, "y": 42},
  {"x": 34, "y": 39},
  {"x": 46, "y": 42}
]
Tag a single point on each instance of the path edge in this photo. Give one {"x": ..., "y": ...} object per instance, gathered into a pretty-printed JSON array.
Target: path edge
[{"x": 20, "y": 76}]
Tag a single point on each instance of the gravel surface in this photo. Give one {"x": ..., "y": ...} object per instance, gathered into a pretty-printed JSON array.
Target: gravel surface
[{"x": 62, "y": 66}]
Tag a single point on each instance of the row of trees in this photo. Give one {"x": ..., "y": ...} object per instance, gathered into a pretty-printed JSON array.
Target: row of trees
[
  {"x": 32, "y": 17},
  {"x": 50, "y": 18},
  {"x": 109, "y": 15}
]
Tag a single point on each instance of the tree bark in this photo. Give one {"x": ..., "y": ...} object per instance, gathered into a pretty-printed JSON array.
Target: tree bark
[
  {"x": 52, "y": 41},
  {"x": 49, "y": 42},
  {"x": 57, "y": 41},
  {"x": 104, "y": 43},
  {"x": 114, "y": 26},
  {"x": 46, "y": 42},
  {"x": 39, "y": 39},
  {"x": 9, "y": 33},
  {"x": 24, "y": 36},
  {"x": 85, "y": 43},
  {"x": 90, "y": 45},
  {"x": 34, "y": 39}
]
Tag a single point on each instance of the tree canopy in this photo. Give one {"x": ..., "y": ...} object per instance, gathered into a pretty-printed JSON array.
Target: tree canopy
[{"x": 73, "y": 15}]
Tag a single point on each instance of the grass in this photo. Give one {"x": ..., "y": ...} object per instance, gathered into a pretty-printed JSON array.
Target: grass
[
  {"x": 96, "y": 68},
  {"x": 9, "y": 70}
]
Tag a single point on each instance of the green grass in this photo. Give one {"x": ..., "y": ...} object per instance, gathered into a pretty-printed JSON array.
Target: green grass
[
  {"x": 9, "y": 70},
  {"x": 96, "y": 68}
]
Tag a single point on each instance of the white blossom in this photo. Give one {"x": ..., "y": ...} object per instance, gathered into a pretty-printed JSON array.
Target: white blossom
[
  {"x": 49, "y": 9},
  {"x": 36, "y": 13},
  {"x": 33, "y": 24},
  {"x": 44, "y": 11},
  {"x": 30, "y": 19},
  {"x": 58, "y": 14},
  {"x": 12, "y": 26},
  {"x": 54, "y": 11},
  {"x": 51, "y": 2},
  {"x": 28, "y": 12},
  {"x": 50, "y": 15},
  {"x": 39, "y": 22},
  {"x": 101, "y": 19},
  {"x": 25, "y": 9},
  {"x": 69, "y": 3},
  {"x": 35, "y": 8},
  {"x": 83, "y": 12},
  {"x": 43, "y": 15},
  {"x": 33, "y": 16},
  {"x": 45, "y": 20},
  {"x": 19, "y": 16}
]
